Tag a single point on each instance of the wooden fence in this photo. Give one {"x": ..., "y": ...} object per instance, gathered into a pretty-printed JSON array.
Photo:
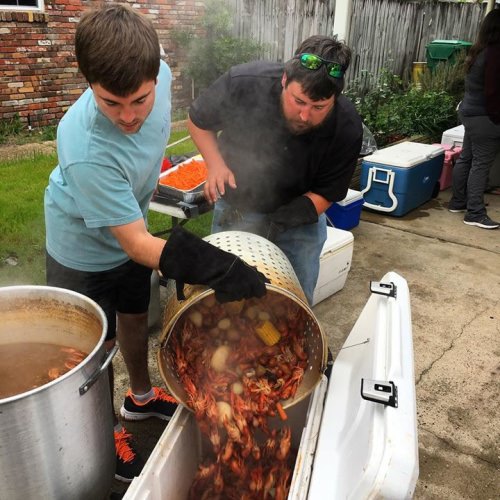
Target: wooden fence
[{"x": 383, "y": 33}]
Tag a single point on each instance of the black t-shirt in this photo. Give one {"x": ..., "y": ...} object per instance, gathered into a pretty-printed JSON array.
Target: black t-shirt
[{"x": 271, "y": 165}]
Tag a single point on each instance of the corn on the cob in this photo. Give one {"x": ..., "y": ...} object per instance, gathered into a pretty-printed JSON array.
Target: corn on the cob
[{"x": 268, "y": 333}]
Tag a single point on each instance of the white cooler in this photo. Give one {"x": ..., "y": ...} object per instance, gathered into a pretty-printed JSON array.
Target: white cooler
[
  {"x": 334, "y": 264},
  {"x": 455, "y": 137},
  {"x": 356, "y": 434}
]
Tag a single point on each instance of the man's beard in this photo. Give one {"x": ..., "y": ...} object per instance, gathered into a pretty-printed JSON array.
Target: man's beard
[
  {"x": 299, "y": 128},
  {"x": 296, "y": 127}
]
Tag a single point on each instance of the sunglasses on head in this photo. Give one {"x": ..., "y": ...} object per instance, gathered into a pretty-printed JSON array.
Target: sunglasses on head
[{"x": 314, "y": 62}]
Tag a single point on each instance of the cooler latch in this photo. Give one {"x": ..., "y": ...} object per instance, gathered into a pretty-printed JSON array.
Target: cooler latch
[
  {"x": 387, "y": 289},
  {"x": 379, "y": 391}
]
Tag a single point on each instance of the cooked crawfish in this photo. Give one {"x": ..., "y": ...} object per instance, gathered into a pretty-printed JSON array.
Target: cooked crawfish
[
  {"x": 249, "y": 457},
  {"x": 71, "y": 357}
]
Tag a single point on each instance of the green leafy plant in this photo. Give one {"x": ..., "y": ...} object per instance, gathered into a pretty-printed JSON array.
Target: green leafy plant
[
  {"x": 10, "y": 127},
  {"x": 372, "y": 95},
  {"x": 421, "y": 112},
  {"x": 214, "y": 52},
  {"x": 48, "y": 133},
  {"x": 393, "y": 110},
  {"x": 447, "y": 76},
  {"x": 14, "y": 131}
]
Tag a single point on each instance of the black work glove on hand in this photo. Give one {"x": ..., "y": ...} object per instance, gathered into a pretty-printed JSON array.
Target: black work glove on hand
[
  {"x": 299, "y": 211},
  {"x": 187, "y": 258}
]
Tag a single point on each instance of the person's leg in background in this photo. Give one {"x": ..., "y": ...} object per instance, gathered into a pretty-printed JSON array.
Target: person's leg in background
[
  {"x": 97, "y": 287},
  {"x": 485, "y": 144},
  {"x": 460, "y": 175},
  {"x": 303, "y": 245}
]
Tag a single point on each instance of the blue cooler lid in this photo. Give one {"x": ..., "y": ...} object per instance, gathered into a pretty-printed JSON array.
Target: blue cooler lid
[{"x": 405, "y": 154}]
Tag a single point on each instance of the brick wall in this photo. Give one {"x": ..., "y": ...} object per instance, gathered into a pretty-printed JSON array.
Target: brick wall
[{"x": 39, "y": 78}]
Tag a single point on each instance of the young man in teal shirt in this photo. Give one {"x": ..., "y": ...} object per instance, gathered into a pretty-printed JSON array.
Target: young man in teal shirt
[{"x": 110, "y": 146}]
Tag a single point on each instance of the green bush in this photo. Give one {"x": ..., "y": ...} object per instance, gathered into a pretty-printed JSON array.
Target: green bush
[
  {"x": 211, "y": 55},
  {"x": 393, "y": 110},
  {"x": 446, "y": 76},
  {"x": 420, "y": 112},
  {"x": 372, "y": 97}
]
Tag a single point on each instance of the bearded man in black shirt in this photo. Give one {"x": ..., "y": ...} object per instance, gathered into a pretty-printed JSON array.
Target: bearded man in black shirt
[{"x": 280, "y": 143}]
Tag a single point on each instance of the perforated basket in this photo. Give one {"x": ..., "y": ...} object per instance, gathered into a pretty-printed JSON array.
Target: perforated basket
[{"x": 271, "y": 261}]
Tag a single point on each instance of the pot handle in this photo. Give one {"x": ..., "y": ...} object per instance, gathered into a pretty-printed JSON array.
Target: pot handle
[{"x": 93, "y": 378}]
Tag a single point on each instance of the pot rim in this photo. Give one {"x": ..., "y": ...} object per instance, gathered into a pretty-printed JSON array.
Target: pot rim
[{"x": 56, "y": 292}]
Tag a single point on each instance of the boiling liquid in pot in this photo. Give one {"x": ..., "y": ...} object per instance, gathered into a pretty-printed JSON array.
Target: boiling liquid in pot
[{"x": 26, "y": 365}]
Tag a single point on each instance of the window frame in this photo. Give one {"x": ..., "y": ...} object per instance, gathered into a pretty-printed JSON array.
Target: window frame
[{"x": 40, "y": 7}]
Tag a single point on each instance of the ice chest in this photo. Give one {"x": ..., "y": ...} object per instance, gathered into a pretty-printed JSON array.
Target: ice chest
[
  {"x": 453, "y": 136},
  {"x": 345, "y": 214},
  {"x": 352, "y": 444},
  {"x": 334, "y": 263},
  {"x": 399, "y": 178},
  {"x": 451, "y": 154}
]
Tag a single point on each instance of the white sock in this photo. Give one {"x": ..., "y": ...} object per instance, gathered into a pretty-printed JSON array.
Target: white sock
[{"x": 144, "y": 397}]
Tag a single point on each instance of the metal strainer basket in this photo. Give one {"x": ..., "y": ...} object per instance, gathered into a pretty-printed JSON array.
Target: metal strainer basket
[{"x": 271, "y": 261}]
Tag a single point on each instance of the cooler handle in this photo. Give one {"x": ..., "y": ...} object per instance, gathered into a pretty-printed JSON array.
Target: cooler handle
[{"x": 389, "y": 179}]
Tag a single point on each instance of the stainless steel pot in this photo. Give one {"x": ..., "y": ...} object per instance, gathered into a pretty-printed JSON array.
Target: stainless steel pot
[
  {"x": 270, "y": 260},
  {"x": 56, "y": 441}
]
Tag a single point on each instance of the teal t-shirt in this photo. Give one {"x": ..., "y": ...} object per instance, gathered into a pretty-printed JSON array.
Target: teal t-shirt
[{"x": 104, "y": 178}]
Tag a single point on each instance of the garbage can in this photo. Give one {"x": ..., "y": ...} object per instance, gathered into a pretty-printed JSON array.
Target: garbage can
[{"x": 444, "y": 50}]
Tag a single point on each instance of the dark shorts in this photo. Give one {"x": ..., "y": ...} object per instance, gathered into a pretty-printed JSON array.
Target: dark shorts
[{"x": 123, "y": 289}]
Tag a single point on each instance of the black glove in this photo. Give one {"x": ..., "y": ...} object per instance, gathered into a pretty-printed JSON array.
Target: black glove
[
  {"x": 187, "y": 258},
  {"x": 299, "y": 211}
]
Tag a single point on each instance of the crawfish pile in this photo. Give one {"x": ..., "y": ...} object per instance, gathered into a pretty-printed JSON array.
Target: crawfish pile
[{"x": 234, "y": 384}]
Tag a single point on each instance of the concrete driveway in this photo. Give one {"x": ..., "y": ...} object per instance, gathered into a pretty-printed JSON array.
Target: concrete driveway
[{"x": 453, "y": 273}]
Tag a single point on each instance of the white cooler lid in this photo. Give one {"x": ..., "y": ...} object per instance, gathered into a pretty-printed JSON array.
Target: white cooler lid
[
  {"x": 455, "y": 134},
  {"x": 405, "y": 154},
  {"x": 352, "y": 196},
  {"x": 336, "y": 239}
]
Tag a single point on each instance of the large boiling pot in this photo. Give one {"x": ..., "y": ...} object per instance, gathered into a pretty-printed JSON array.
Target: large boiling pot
[{"x": 56, "y": 441}]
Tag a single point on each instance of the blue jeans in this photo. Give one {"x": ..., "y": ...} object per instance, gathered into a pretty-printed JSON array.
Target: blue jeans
[{"x": 302, "y": 245}]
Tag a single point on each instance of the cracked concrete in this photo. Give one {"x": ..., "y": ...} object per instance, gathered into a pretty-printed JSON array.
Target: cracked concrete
[{"x": 453, "y": 274}]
